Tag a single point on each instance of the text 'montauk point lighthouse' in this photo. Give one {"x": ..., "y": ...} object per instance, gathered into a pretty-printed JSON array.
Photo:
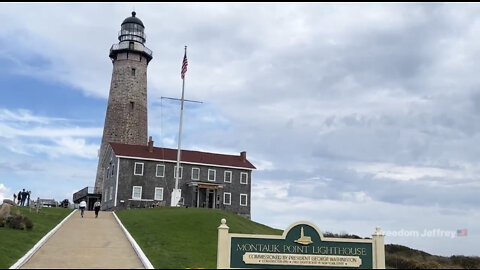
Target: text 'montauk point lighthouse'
[{"x": 126, "y": 118}]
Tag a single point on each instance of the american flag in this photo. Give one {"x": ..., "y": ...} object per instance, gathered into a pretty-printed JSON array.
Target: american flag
[
  {"x": 184, "y": 65},
  {"x": 462, "y": 232}
]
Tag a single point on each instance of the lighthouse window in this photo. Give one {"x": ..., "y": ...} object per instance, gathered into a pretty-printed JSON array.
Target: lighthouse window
[
  {"x": 132, "y": 105},
  {"x": 133, "y": 71},
  {"x": 130, "y": 45}
]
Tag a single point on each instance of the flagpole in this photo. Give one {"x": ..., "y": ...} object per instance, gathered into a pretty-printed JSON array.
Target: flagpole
[{"x": 176, "y": 193}]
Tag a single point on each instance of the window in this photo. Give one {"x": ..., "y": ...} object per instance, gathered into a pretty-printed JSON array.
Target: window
[
  {"x": 131, "y": 46},
  {"x": 111, "y": 193},
  {"x": 212, "y": 175},
  {"x": 160, "y": 170},
  {"x": 105, "y": 197},
  {"x": 132, "y": 105},
  {"x": 133, "y": 71},
  {"x": 227, "y": 176},
  {"x": 158, "y": 194},
  {"x": 227, "y": 198},
  {"x": 243, "y": 178},
  {"x": 195, "y": 173},
  {"x": 175, "y": 172},
  {"x": 243, "y": 199},
  {"x": 138, "y": 168},
  {"x": 137, "y": 193},
  {"x": 108, "y": 171},
  {"x": 113, "y": 169}
]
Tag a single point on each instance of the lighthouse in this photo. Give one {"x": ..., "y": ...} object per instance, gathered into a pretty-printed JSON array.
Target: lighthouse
[{"x": 126, "y": 117}]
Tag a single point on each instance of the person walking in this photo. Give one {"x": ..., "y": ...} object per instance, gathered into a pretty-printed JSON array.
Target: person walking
[
  {"x": 83, "y": 205},
  {"x": 14, "y": 198},
  {"x": 97, "y": 207}
]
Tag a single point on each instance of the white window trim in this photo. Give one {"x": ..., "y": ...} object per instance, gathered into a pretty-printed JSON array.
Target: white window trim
[
  {"x": 135, "y": 168},
  {"x": 133, "y": 192},
  {"x": 214, "y": 175},
  {"x": 225, "y": 177},
  {"x": 198, "y": 174},
  {"x": 246, "y": 178},
  {"x": 224, "y": 195},
  {"x": 155, "y": 194},
  {"x": 106, "y": 195},
  {"x": 246, "y": 199},
  {"x": 163, "y": 170},
  {"x": 110, "y": 197},
  {"x": 175, "y": 172}
]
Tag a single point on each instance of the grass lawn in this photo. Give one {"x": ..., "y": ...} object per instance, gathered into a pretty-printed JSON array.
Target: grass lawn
[
  {"x": 184, "y": 238},
  {"x": 15, "y": 243}
]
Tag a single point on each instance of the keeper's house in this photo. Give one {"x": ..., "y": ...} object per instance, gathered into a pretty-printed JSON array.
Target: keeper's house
[{"x": 138, "y": 176}]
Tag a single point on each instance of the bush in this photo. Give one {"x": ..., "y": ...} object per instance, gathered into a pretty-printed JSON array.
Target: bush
[{"x": 18, "y": 222}]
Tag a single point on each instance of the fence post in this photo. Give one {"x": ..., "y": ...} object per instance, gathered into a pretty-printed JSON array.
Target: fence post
[
  {"x": 223, "y": 248},
  {"x": 378, "y": 249}
]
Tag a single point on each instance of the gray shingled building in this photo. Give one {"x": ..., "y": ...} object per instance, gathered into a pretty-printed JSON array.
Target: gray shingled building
[{"x": 138, "y": 176}]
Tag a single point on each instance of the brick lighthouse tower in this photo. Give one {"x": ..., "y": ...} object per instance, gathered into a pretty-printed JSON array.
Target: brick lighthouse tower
[{"x": 126, "y": 118}]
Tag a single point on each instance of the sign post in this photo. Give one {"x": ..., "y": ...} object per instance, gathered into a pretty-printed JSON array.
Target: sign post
[{"x": 302, "y": 245}]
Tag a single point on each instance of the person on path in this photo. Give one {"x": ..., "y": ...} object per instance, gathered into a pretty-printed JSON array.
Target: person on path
[
  {"x": 14, "y": 198},
  {"x": 97, "y": 207},
  {"x": 83, "y": 205}
]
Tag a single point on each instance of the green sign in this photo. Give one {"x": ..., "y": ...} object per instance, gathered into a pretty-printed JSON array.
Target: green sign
[{"x": 301, "y": 246}]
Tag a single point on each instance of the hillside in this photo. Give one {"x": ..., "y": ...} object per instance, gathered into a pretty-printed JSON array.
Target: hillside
[
  {"x": 184, "y": 237},
  {"x": 187, "y": 238}
]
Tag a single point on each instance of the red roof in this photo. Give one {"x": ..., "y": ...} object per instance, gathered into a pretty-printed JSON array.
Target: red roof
[{"x": 141, "y": 151}]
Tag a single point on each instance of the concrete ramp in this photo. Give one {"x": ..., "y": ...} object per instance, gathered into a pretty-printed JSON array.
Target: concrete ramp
[{"x": 87, "y": 242}]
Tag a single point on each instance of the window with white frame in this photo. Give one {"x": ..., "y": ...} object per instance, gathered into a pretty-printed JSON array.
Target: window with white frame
[
  {"x": 212, "y": 175},
  {"x": 243, "y": 199},
  {"x": 108, "y": 171},
  {"x": 138, "y": 168},
  {"x": 227, "y": 198},
  {"x": 243, "y": 178},
  {"x": 113, "y": 169},
  {"x": 137, "y": 192},
  {"x": 111, "y": 193},
  {"x": 158, "y": 194},
  {"x": 160, "y": 170},
  {"x": 105, "y": 197},
  {"x": 195, "y": 173},
  {"x": 227, "y": 176},
  {"x": 175, "y": 172}
]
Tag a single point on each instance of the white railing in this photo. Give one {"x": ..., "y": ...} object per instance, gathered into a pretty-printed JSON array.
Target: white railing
[{"x": 123, "y": 46}]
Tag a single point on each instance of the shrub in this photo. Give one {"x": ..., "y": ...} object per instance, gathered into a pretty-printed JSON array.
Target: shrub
[{"x": 19, "y": 222}]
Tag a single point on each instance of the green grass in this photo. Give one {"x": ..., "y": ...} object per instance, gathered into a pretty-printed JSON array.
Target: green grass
[
  {"x": 15, "y": 243},
  {"x": 184, "y": 238}
]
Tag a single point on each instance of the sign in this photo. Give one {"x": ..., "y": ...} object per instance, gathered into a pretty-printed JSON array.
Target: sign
[{"x": 301, "y": 246}]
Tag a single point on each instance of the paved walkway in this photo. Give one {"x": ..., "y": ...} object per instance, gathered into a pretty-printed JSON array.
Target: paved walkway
[{"x": 87, "y": 242}]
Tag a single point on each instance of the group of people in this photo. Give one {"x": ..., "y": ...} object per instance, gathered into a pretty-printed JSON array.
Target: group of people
[
  {"x": 83, "y": 205},
  {"x": 22, "y": 197}
]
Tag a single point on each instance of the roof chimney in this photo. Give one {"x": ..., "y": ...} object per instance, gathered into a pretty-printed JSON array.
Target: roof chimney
[
  {"x": 150, "y": 144},
  {"x": 243, "y": 156}
]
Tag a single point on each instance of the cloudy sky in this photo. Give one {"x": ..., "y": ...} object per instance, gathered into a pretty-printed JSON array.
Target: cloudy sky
[{"x": 356, "y": 115}]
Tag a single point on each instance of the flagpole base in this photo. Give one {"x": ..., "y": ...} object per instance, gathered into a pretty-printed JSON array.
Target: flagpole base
[{"x": 176, "y": 195}]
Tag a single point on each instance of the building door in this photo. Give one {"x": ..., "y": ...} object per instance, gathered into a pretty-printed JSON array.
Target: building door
[{"x": 211, "y": 198}]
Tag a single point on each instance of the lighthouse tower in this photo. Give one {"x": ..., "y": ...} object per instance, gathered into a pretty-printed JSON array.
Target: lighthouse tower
[{"x": 126, "y": 118}]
